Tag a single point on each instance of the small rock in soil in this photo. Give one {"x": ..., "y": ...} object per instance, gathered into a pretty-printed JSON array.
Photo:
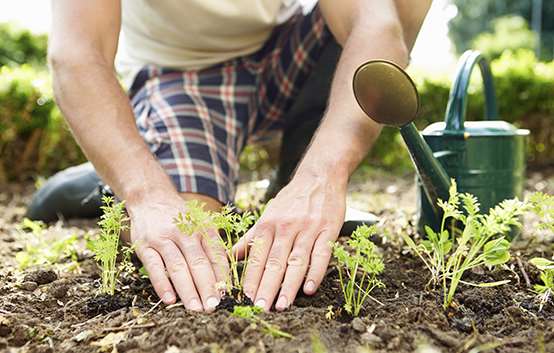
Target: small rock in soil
[
  {"x": 358, "y": 325},
  {"x": 29, "y": 286},
  {"x": 371, "y": 339},
  {"x": 127, "y": 345},
  {"x": 41, "y": 277},
  {"x": 463, "y": 324},
  {"x": 394, "y": 343},
  {"x": 3, "y": 343},
  {"x": 19, "y": 336},
  {"x": 58, "y": 290},
  {"x": 5, "y": 327}
]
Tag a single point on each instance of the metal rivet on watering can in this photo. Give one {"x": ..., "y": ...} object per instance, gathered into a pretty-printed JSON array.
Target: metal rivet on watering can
[{"x": 487, "y": 158}]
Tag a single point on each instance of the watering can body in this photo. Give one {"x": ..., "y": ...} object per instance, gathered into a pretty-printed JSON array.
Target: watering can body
[{"x": 486, "y": 158}]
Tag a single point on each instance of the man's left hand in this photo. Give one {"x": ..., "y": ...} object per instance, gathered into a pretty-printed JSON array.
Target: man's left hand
[{"x": 291, "y": 241}]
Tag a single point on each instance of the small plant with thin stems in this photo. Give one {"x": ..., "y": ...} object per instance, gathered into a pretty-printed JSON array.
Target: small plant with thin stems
[
  {"x": 251, "y": 313},
  {"x": 233, "y": 226},
  {"x": 358, "y": 271},
  {"x": 106, "y": 248},
  {"x": 546, "y": 289},
  {"x": 451, "y": 252},
  {"x": 198, "y": 220},
  {"x": 41, "y": 251}
]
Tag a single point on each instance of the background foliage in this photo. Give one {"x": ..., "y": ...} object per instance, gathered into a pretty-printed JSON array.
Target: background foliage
[
  {"x": 35, "y": 141},
  {"x": 477, "y": 16},
  {"x": 19, "y": 46}
]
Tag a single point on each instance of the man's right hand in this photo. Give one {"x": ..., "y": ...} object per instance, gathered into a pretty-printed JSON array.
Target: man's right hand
[{"x": 195, "y": 263}]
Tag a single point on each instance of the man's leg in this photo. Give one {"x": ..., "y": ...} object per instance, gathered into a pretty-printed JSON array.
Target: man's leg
[
  {"x": 196, "y": 139},
  {"x": 303, "y": 118}
]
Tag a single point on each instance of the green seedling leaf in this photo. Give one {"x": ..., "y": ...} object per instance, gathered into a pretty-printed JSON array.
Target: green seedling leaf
[
  {"x": 542, "y": 263},
  {"x": 358, "y": 271},
  {"x": 496, "y": 252}
]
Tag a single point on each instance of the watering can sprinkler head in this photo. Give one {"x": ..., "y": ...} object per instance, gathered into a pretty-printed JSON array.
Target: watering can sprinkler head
[{"x": 387, "y": 94}]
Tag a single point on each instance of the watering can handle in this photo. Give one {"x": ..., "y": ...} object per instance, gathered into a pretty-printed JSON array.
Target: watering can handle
[{"x": 457, "y": 102}]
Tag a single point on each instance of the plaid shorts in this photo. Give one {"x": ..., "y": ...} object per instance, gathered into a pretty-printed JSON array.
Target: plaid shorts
[{"x": 196, "y": 122}]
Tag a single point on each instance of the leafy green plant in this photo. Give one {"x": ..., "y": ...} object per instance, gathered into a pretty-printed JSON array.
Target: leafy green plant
[
  {"x": 40, "y": 251},
  {"x": 451, "y": 252},
  {"x": 358, "y": 271},
  {"x": 198, "y": 220},
  {"x": 543, "y": 206},
  {"x": 20, "y": 46},
  {"x": 545, "y": 289},
  {"x": 233, "y": 226},
  {"x": 251, "y": 313},
  {"x": 33, "y": 135},
  {"x": 106, "y": 247}
]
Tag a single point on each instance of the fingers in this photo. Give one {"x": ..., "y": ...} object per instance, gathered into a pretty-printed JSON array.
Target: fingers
[
  {"x": 321, "y": 254},
  {"x": 275, "y": 267},
  {"x": 262, "y": 240},
  {"x": 180, "y": 275},
  {"x": 297, "y": 266},
  {"x": 217, "y": 256},
  {"x": 154, "y": 265},
  {"x": 201, "y": 270}
]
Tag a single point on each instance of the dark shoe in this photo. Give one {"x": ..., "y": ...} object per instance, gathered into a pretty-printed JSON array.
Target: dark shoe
[{"x": 71, "y": 193}]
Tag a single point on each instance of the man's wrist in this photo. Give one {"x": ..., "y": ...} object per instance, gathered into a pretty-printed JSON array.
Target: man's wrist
[{"x": 328, "y": 170}]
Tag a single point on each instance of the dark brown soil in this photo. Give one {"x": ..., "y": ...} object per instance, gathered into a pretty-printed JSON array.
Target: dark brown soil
[{"x": 58, "y": 310}]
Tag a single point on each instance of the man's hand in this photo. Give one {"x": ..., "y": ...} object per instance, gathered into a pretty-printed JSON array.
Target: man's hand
[
  {"x": 291, "y": 240},
  {"x": 195, "y": 263}
]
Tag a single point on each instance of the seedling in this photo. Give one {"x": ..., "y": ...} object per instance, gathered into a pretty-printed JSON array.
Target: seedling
[
  {"x": 543, "y": 206},
  {"x": 251, "y": 313},
  {"x": 39, "y": 251},
  {"x": 358, "y": 271},
  {"x": 112, "y": 223},
  {"x": 233, "y": 225},
  {"x": 451, "y": 252},
  {"x": 197, "y": 220},
  {"x": 546, "y": 289}
]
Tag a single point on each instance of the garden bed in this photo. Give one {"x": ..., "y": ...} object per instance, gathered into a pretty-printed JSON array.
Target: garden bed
[{"x": 55, "y": 310}]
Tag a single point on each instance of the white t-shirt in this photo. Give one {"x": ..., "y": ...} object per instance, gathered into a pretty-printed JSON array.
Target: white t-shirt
[{"x": 193, "y": 34}]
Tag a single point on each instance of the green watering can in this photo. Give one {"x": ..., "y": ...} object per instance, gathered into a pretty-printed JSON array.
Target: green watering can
[{"x": 486, "y": 158}]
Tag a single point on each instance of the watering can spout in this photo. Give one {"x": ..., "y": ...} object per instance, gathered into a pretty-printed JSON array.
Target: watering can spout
[{"x": 387, "y": 94}]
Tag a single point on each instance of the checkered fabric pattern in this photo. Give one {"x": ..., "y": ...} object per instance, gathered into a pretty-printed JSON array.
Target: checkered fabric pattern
[{"x": 197, "y": 122}]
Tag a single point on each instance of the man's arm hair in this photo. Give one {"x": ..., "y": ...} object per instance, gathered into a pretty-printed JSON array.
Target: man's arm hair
[{"x": 82, "y": 49}]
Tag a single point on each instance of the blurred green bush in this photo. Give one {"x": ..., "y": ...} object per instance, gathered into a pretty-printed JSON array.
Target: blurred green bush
[
  {"x": 509, "y": 33},
  {"x": 20, "y": 46},
  {"x": 525, "y": 96},
  {"x": 34, "y": 139}
]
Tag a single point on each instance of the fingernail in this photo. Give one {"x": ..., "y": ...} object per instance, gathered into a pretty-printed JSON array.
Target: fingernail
[
  {"x": 212, "y": 303},
  {"x": 310, "y": 286},
  {"x": 282, "y": 303},
  {"x": 195, "y": 305},
  {"x": 168, "y": 297},
  {"x": 260, "y": 303}
]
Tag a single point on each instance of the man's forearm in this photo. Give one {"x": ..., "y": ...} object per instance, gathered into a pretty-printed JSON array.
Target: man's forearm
[
  {"x": 102, "y": 121},
  {"x": 346, "y": 134}
]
